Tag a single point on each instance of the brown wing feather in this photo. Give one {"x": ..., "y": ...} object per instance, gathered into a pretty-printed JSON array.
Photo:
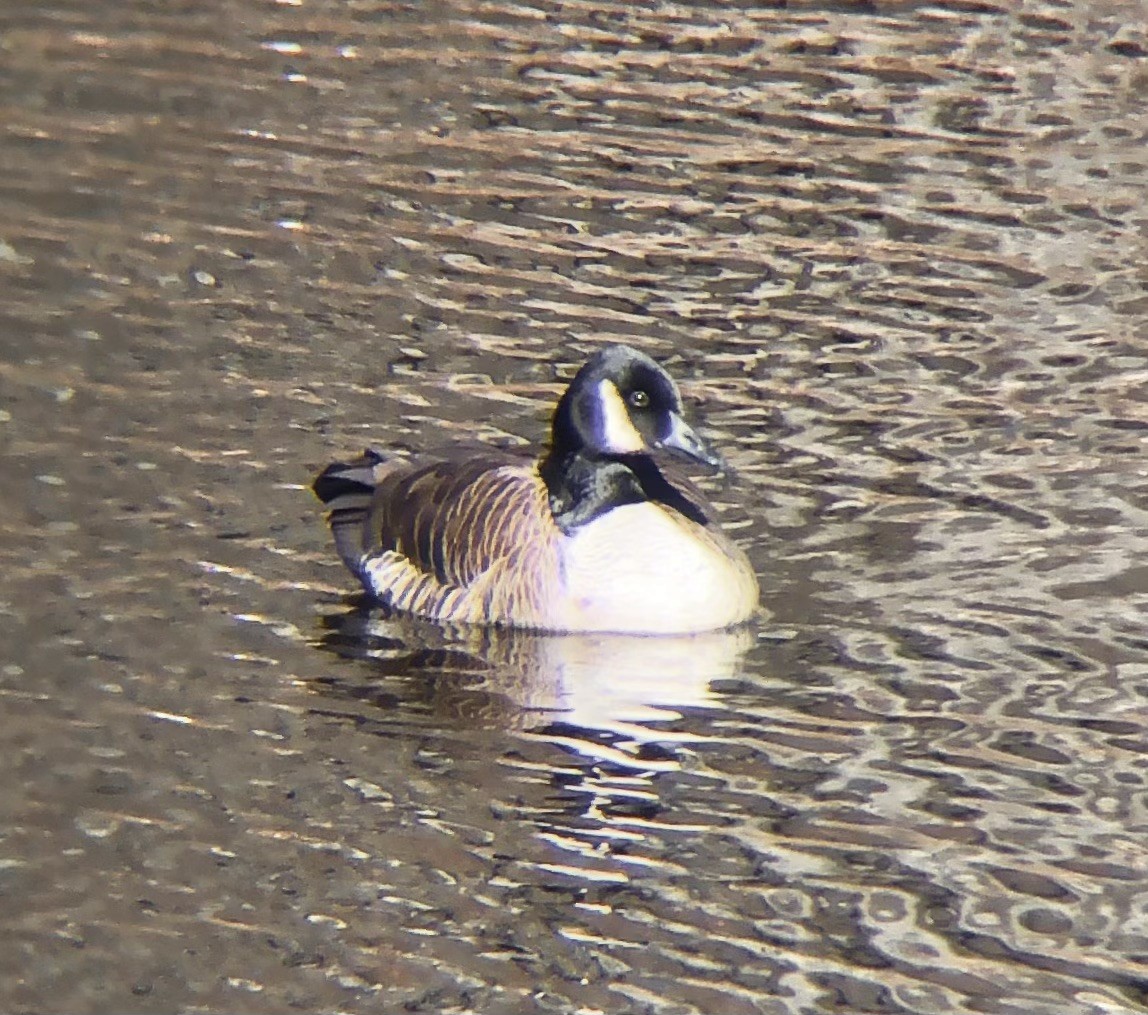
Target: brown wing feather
[{"x": 452, "y": 520}]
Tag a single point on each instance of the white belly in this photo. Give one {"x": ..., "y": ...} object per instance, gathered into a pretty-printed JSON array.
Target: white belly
[{"x": 638, "y": 569}]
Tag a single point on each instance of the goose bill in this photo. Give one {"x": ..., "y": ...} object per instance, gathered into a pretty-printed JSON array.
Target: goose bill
[{"x": 684, "y": 438}]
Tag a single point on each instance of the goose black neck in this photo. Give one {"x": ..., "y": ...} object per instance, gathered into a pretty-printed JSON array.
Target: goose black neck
[
  {"x": 582, "y": 483},
  {"x": 582, "y": 487}
]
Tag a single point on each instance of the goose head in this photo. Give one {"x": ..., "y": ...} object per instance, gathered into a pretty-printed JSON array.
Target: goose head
[{"x": 621, "y": 402}]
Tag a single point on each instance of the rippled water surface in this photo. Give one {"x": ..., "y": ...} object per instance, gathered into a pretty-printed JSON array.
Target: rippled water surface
[{"x": 897, "y": 254}]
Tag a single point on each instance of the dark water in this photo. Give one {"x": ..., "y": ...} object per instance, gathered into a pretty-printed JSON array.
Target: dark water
[{"x": 898, "y": 255}]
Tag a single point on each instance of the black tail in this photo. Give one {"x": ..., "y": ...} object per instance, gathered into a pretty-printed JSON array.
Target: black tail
[{"x": 347, "y": 488}]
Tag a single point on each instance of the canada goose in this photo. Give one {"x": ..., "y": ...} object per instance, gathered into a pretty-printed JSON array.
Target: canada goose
[{"x": 594, "y": 536}]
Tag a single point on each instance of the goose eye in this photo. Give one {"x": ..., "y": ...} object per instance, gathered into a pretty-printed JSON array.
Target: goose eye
[{"x": 639, "y": 399}]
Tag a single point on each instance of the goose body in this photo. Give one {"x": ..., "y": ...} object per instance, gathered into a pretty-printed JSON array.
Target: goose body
[{"x": 597, "y": 535}]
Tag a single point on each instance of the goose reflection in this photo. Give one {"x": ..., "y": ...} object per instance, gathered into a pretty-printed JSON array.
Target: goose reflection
[{"x": 594, "y": 692}]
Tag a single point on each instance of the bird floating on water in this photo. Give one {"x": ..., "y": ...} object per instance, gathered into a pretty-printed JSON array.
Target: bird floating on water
[{"x": 600, "y": 533}]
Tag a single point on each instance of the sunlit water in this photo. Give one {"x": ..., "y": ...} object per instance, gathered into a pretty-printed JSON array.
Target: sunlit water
[{"x": 897, "y": 257}]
